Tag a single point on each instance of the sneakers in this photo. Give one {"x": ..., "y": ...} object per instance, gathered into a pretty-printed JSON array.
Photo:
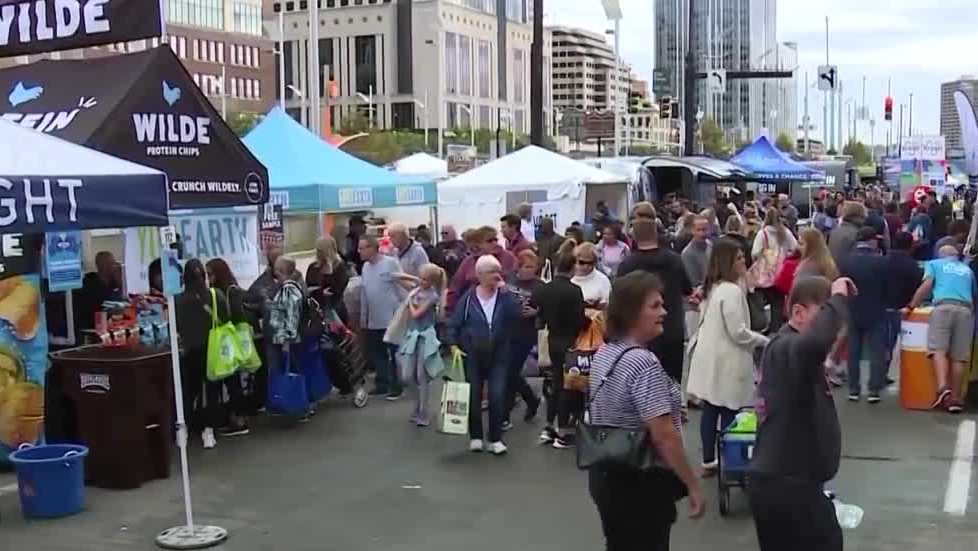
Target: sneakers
[
  {"x": 874, "y": 398},
  {"x": 234, "y": 430},
  {"x": 507, "y": 425},
  {"x": 475, "y": 446},
  {"x": 422, "y": 421},
  {"x": 304, "y": 419},
  {"x": 394, "y": 396},
  {"x": 208, "y": 437},
  {"x": 836, "y": 381},
  {"x": 710, "y": 469},
  {"x": 548, "y": 435},
  {"x": 564, "y": 442},
  {"x": 379, "y": 392},
  {"x": 854, "y": 397},
  {"x": 954, "y": 406},
  {"x": 942, "y": 396},
  {"x": 497, "y": 448}
]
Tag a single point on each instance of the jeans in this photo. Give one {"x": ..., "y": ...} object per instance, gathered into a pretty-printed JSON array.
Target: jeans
[
  {"x": 381, "y": 357},
  {"x": 516, "y": 383},
  {"x": 709, "y": 430},
  {"x": 893, "y": 323},
  {"x": 483, "y": 369},
  {"x": 793, "y": 514},
  {"x": 875, "y": 339},
  {"x": 636, "y": 513}
]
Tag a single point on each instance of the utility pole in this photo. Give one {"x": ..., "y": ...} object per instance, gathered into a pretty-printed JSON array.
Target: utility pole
[
  {"x": 910, "y": 124},
  {"x": 312, "y": 90},
  {"x": 807, "y": 120},
  {"x": 841, "y": 140},
  {"x": 900, "y": 135},
  {"x": 889, "y": 126},
  {"x": 536, "y": 76},
  {"x": 831, "y": 93},
  {"x": 281, "y": 59}
]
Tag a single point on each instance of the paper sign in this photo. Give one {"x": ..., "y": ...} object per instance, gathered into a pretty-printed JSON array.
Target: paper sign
[
  {"x": 170, "y": 263},
  {"x": 272, "y": 231},
  {"x": 544, "y": 209},
  {"x": 63, "y": 261}
]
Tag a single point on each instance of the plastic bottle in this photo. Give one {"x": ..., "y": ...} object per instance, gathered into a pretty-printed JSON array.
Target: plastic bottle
[{"x": 849, "y": 516}]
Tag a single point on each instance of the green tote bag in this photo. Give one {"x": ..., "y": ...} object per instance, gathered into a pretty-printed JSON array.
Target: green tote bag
[
  {"x": 250, "y": 360},
  {"x": 223, "y": 350}
]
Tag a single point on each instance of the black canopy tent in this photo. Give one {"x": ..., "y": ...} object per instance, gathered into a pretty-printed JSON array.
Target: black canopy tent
[
  {"x": 142, "y": 107},
  {"x": 687, "y": 176}
]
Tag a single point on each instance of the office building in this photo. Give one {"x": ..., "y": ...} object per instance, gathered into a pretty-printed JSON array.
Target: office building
[
  {"x": 215, "y": 40},
  {"x": 584, "y": 72},
  {"x": 413, "y": 63},
  {"x": 950, "y": 124},
  {"x": 736, "y": 35}
]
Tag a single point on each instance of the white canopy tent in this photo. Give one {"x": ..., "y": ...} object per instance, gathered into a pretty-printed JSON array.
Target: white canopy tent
[
  {"x": 555, "y": 185},
  {"x": 422, "y": 164}
]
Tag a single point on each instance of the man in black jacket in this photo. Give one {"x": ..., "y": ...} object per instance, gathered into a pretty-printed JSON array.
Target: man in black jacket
[
  {"x": 799, "y": 441},
  {"x": 676, "y": 286},
  {"x": 904, "y": 276}
]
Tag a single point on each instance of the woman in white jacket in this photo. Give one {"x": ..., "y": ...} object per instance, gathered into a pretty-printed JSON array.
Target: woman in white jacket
[{"x": 721, "y": 372}]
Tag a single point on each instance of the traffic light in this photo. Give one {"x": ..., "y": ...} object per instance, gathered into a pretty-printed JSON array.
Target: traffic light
[
  {"x": 675, "y": 109},
  {"x": 665, "y": 107},
  {"x": 888, "y": 108}
]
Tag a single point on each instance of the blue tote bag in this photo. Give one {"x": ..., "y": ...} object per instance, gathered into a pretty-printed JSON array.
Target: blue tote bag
[{"x": 287, "y": 391}]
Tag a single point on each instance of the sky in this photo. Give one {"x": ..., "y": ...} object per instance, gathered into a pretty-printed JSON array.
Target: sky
[{"x": 918, "y": 44}]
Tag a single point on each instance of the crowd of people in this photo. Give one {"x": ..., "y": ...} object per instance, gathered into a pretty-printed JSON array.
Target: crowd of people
[{"x": 719, "y": 307}]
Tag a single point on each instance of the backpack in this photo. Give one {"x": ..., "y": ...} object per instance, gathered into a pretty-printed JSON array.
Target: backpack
[{"x": 311, "y": 318}]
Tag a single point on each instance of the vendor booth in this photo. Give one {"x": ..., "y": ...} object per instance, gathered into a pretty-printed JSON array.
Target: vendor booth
[
  {"x": 142, "y": 107},
  {"x": 778, "y": 172},
  {"x": 422, "y": 164},
  {"x": 57, "y": 187},
  {"x": 555, "y": 185},
  {"x": 695, "y": 178}
]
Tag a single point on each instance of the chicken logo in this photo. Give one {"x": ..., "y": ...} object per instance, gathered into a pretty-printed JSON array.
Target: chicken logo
[{"x": 171, "y": 94}]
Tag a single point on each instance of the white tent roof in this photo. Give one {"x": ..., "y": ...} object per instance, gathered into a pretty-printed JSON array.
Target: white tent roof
[
  {"x": 530, "y": 167},
  {"x": 33, "y": 153},
  {"x": 422, "y": 164}
]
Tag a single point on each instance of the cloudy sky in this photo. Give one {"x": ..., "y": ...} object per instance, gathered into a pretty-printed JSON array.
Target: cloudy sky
[{"x": 917, "y": 43}]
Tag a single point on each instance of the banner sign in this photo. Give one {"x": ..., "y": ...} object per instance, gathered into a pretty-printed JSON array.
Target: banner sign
[
  {"x": 53, "y": 203},
  {"x": 544, "y": 209},
  {"x": 23, "y": 342},
  {"x": 231, "y": 236},
  {"x": 272, "y": 232},
  {"x": 40, "y": 26},
  {"x": 142, "y": 107},
  {"x": 63, "y": 260},
  {"x": 927, "y": 148}
]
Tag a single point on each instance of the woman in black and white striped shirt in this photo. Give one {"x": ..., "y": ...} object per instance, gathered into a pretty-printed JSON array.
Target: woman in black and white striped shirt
[{"x": 638, "y": 508}]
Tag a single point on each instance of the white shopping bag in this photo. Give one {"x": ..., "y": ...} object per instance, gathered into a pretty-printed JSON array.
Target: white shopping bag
[{"x": 454, "y": 415}]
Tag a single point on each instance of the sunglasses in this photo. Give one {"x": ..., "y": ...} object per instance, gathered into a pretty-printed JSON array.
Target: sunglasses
[{"x": 586, "y": 262}]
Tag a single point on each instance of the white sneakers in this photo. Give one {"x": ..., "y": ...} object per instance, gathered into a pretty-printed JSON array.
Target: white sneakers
[
  {"x": 495, "y": 448},
  {"x": 208, "y": 437}
]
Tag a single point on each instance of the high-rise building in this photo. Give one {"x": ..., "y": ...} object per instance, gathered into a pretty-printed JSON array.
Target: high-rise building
[
  {"x": 736, "y": 35},
  {"x": 414, "y": 63},
  {"x": 584, "y": 72},
  {"x": 216, "y": 40},
  {"x": 950, "y": 124}
]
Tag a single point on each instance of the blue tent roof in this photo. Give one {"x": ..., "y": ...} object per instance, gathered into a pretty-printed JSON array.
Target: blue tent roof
[
  {"x": 320, "y": 177},
  {"x": 766, "y": 162}
]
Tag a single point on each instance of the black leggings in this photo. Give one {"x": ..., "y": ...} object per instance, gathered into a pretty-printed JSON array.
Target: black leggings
[
  {"x": 561, "y": 404},
  {"x": 636, "y": 512},
  {"x": 792, "y": 514},
  {"x": 209, "y": 413},
  {"x": 775, "y": 299}
]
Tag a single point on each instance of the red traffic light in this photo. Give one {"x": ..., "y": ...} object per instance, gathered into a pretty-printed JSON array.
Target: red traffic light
[{"x": 888, "y": 108}]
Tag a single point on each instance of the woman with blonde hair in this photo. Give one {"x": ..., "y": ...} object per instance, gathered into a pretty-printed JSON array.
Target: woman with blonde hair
[
  {"x": 593, "y": 283},
  {"x": 329, "y": 277},
  {"x": 816, "y": 260},
  {"x": 772, "y": 246}
]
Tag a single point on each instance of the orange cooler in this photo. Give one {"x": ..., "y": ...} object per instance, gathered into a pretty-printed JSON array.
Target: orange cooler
[{"x": 918, "y": 386}]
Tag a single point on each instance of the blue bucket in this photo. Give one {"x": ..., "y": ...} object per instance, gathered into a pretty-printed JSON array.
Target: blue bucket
[{"x": 50, "y": 479}]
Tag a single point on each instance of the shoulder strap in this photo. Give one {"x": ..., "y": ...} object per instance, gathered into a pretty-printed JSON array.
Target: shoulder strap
[
  {"x": 213, "y": 308},
  {"x": 611, "y": 372}
]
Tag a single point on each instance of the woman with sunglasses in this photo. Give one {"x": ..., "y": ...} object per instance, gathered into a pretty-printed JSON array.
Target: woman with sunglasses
[{"x": 593, "y": 283}]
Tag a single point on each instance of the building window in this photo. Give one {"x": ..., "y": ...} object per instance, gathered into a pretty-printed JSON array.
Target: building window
[
  {"x": 255, "y": 57},
  {"x": 247, "y": 56},
  {"x": 234, "y": 87},
  {"x": 247, "y": 94},
  {"x": 220, "y": 53},
  {"x": 451, "y": 63},
  {"x": 213, "y": 51},
  {"x": 257, "y": 89},
  {"x": 366, "y": 64},
  {"x": 465, "y": 65},
  {"x": 519, "y": 76},
  {"x": 326, "y": 62},
  {"x": 233, "y": 54},
  {"x": 485, "y": 69}
]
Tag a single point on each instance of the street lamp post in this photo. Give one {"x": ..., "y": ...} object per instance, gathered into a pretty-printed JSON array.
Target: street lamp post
[
  {"x": 424, "y": 106},
  {"x": 612, "y": 10},
  {"x": 281, "y": 59},
  {"x": 468, "y": 110},
  {"x": 369, "y": 98}
]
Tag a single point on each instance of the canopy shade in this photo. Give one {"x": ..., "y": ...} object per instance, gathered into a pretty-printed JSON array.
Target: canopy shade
[
  {"x": 48, "y": 184},
  {"x": 481, "y": 196},
  {"x": 321, "y": 178},
  {"x": 422, "y": 164},
  {"x": 145, "y": 108},
  {"x": 769, "y": 164}
]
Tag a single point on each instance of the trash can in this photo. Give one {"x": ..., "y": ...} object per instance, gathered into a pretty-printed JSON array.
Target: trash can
[
  {"x": 918, "y": 385},
  {"x": 121, "y": 407},
  {"x": 50, "y": 479}
]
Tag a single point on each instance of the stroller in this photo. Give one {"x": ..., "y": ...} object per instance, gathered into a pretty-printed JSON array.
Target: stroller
[{"x": 344, "y": 357}]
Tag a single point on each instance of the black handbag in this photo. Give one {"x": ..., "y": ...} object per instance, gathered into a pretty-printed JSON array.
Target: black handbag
[
  {"x": 758, "y": 316},
  {"x": 603, "y": 446}
]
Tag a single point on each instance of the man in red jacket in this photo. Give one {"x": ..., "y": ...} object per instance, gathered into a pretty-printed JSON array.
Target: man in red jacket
[{"x": 487, "y": 242}]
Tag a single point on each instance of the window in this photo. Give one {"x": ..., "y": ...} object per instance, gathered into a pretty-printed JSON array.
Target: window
[
  {"x": 465, "y": 66},
  {"x": 519, "y": 76},
  {"x": 220, "y": 53},
  {"x": 213, "y": 51},
  {"x": 255, "y": 56},
  {"x": 451, "y": 63},
  {"x": 485, "y": 70},
  {"x": 234, "y": 87},
  {"x": 257, "y": 89},
  {"x": 247, "y": 94},
  {"x": 366, "y": 64},
  {"x": 247, "y": 56},
  {"x": 326, "y": 62},
  {"x": 233, "y": 54}
]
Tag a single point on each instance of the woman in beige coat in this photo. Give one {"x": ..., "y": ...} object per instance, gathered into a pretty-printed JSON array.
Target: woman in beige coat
[{"x": 721, "y": 372}]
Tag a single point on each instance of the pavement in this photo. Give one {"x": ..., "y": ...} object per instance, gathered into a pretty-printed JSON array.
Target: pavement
[{"x": 366, "y": 480}]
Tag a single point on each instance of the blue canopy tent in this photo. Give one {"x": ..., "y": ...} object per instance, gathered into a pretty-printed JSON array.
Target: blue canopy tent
[
  {"x": 769, "y": 164},
  {"x": 321, "y": 178}
]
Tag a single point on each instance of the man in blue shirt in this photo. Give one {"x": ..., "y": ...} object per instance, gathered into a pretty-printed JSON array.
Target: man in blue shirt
[{"x": 949, "y": 333}]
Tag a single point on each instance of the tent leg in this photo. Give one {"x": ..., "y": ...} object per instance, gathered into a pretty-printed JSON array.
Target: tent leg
[
  {"x": 189, "y": 536},
  {"x": 433, "y": 219}
]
